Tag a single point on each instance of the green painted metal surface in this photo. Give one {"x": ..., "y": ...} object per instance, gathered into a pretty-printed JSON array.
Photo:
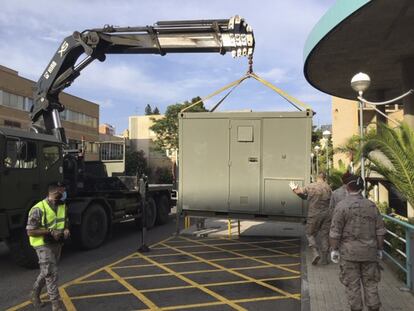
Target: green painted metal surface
[{"x": 337, "y": 14}]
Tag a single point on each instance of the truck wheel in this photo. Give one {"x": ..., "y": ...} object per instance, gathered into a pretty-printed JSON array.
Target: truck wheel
[
  {"x": 151, "y": 213},
  {"x": 94, "y": 227},
  {"x": 151, "y": 210},
  {"x": 20, "y": 250},
  {"x": 163, "y": 210}
]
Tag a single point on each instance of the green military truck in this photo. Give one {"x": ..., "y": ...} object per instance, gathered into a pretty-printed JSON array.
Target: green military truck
[{"x": 30, "y": 161}]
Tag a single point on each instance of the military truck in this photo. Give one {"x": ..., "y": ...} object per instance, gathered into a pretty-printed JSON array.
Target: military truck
[{"x": 29, "y": 161}]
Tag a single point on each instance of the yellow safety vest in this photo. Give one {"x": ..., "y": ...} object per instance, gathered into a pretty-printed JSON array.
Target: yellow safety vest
[{"x": 50, "y": 220}]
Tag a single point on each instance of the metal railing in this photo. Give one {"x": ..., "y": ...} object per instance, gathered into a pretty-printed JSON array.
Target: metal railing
[{"x": 407, "y": 251}]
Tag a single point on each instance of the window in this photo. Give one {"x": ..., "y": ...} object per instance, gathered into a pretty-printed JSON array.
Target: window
[
  {"x": 10, "y": 123},
  {"x": 51, "y": 154},
  {"x": 28, "y": 103},
  {"x": 20, "y": 154},
  {"x": 111, "y": 151},
  {"x": 79, "y": 118},
  {"x": 15, "y": 101}
]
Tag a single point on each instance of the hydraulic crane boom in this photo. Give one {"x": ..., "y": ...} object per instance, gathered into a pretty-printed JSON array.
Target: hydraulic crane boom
[{"x": 200, "y": 36}]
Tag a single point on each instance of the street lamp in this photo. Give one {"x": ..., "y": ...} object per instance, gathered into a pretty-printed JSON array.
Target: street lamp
[
  {"x": 326, "y": 135},
  {"x": 317, "y": 148},
  {"x": 360, "y": 83}
]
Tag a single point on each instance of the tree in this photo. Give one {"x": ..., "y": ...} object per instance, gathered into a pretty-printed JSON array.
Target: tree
[
  {"x": 166, "y": 129},
  {"x": 135, "y": 163},
  {"x": 391, "y": 153},
  {"x": 156, "y": 111},
  {"x": 148, "y": 110}
]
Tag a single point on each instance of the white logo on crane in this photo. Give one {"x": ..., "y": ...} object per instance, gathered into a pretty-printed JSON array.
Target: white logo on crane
[
  {"x": 49, "y": 69},
  {"x": 63, "y": 48}
]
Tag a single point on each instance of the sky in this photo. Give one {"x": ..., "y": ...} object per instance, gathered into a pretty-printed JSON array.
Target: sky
[{"x": 31, "y": 32}]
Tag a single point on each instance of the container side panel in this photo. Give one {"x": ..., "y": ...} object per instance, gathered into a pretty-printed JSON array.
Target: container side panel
[
  {"x": 204, "y": 164},
  {"x": 280, "y": 200},
  {"x": 286, "y": 156},
  {"x": 245, "y": 165}
]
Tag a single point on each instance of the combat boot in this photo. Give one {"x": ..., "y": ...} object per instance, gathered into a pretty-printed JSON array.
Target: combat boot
[
  {"x": 315, "y": 256},
  {"x": 35, "y": 298},
  {"x": 56, "y": 305},
  {"x": 324, "y": 258}
]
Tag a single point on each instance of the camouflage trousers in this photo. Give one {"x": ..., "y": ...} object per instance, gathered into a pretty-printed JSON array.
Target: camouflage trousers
[
  {"x": 318, "y": 227},
  {"x": 49, "y": 256},
  {"x": 352, "y": 275}
]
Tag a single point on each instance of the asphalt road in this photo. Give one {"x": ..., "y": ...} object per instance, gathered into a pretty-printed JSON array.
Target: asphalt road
[{"x": 16, "y": 282}]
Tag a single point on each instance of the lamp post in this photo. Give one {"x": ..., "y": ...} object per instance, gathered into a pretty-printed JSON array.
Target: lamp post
[
  {"x": 312, "y": 155},
  {"x": 317, "y": 148},
  {"x": 360, "y": 83},
  {"x": 326, "y": 135}
]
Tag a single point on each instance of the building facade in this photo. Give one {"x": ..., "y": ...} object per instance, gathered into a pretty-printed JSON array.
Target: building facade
[
  {"x": 345, "y": 124},
  {"x": 106, "y": 129},
  {"x": 80, "y": 118},
  {"x": 142, "y": 138}
]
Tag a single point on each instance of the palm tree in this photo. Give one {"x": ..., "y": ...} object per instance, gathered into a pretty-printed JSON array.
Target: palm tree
[{"x": 391, "y": 153}]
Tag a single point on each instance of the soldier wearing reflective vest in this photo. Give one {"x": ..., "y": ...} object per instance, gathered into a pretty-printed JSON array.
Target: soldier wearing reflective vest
[{"x": 47, "y": 228}]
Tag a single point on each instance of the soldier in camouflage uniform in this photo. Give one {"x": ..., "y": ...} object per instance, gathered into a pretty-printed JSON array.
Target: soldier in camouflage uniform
[
  {"x": 357, "y": 239},
  {"x": 318, "y": 221},
  {"x": 47, "y": 227},
  {"x": 339, "y": 194}
]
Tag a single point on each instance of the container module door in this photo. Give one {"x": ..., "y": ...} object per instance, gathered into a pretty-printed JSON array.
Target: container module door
[{"x": 245, "y": 165}]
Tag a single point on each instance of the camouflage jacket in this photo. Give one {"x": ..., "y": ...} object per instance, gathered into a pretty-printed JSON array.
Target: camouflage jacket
[
  {"x": 337, "y": 196},
  {"x": 318, "y": 195},
  {"x": 356, "y": 223}
]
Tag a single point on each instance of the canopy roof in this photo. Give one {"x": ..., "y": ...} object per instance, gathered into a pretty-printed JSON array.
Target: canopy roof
[{"x": 360, "y": 35}]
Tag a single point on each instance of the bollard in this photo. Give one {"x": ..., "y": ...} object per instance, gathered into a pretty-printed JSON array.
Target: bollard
[{"x": 143, "y": 194}]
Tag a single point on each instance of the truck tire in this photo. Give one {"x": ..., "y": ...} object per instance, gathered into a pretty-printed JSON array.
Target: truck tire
[
  {"x": 94, "y": 227},
  {"x": 151, "y": 210},
  {"x": 20, "y": 250},
  {"x": 151, "y": 213},
  {"x": 163, "y": 210}
]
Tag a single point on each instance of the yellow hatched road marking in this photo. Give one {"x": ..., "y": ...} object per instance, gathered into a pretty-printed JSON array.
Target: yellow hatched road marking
[
  {"x": 199, "y": 271},
  {"x": 256, "y": 247},
  {"x": 241, "y": 275},
  {"x": 66, "y": 300},
  {"x": 254, "y": 258},
  {"x": 178, "y": 287},
  {"x": 83, "y": 277},
  {"x": 204, "y": 289},
  {"x": 208, "y": 304},
  {"x": 132, "y": 289},
  {"x": 197, "y": 243},
  {"x": 100, "y": 295},
  {"x": 196, "y": 305}
]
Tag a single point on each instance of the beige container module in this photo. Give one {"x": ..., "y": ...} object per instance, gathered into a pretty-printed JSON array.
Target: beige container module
[{"x": 239, "y": 164}]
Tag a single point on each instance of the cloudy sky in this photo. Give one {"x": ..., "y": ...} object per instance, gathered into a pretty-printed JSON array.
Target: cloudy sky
[{"x": 31, "y": 31}]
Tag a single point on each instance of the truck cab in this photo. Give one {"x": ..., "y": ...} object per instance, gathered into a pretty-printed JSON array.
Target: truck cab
[{"x": 28, "y": 163}]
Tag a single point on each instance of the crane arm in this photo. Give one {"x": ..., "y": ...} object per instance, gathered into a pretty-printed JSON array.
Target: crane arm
[{"x": 195, "y": 36}]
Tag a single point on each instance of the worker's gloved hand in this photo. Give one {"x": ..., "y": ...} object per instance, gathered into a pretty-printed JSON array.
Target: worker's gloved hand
[
  {"x": 57, "y": 234},
  {"x": 66, "y": 234},
  {"x": 379, "y": 254},
  {"x": 293, "y": 185},
  {"x": 335, "y": 256}
]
